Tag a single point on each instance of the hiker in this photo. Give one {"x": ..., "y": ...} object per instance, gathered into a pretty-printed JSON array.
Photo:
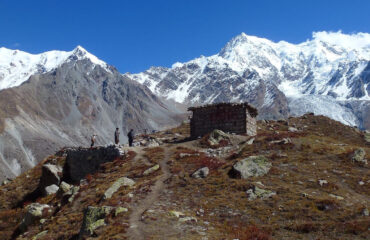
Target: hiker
[
  {"x": 93, "y": 138},
  {"x": 116, "y": 136},
  {"x": 130, "y": 136}
]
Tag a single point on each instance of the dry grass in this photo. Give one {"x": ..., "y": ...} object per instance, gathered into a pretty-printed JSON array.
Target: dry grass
[{"x": 301, "y": 208}]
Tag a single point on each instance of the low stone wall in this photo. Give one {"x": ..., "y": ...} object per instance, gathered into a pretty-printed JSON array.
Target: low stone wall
[{"x": 83, "y": 161}]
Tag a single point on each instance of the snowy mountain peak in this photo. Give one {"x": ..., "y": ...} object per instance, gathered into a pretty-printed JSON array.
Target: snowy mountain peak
[
  {"x": 17, "y": 66},
  {"x": 320, "y": 75}
]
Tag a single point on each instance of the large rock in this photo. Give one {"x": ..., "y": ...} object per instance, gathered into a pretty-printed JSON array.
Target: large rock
[
  {"x": 93, "y": 218},
  {"x": 359, "y": 156},
  {"x": 124, "y": 181},
  {"x": 50, "y": 176},
  {"x": 83, "y": 161},
  {"x": 216, "y": 136},
  {"x": 201, "y": 173},
  {"x": 34, "y": 212},
  {"x": 252, "y": 166}
]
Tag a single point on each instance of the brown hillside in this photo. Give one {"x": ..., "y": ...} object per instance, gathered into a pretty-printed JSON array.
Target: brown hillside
[{"x": 314, "y": 189}]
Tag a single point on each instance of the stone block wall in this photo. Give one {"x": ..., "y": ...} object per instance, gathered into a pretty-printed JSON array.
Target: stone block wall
[{"x": 228, "y": 118}]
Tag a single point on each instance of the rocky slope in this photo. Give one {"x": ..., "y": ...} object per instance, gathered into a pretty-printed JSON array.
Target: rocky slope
[
  {"x": 326, "y": 75},
  {"x": 304, "y": 178},
  {"x": 68, "y": 102}
]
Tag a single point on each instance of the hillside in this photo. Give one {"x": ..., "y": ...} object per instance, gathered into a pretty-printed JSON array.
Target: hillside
[
  {"x": 68, "y": 103},
  {"x": 304, "y": 184}
]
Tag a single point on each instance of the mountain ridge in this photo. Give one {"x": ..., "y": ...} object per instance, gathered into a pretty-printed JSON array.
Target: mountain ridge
[{"x": 327, "y": 68}]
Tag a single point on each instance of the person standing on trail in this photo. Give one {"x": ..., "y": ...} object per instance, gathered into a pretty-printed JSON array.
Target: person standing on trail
[
  {"x": 93, "y": 138},
  {"x": 130, "y": 136},
  {"x": 116, "y": 136}
]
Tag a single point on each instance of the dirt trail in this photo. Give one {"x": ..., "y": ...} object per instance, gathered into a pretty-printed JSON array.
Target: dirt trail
[{"x": 135, "y": 231}]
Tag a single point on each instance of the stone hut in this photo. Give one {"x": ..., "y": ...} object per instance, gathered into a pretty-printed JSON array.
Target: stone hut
[{"x": 237, "y": 118}]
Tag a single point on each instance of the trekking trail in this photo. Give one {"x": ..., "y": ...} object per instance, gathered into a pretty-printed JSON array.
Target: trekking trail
[{"x": 135, "y": 231}]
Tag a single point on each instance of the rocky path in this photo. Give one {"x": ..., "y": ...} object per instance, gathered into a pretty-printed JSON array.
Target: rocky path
[{"x": 135, "y": 231}]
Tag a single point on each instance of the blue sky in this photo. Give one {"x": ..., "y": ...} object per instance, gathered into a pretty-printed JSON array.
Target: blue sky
[{"x": 134, "y": 35}]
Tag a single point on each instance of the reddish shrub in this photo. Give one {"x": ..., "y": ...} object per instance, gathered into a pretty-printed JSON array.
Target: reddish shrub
[{"x": 251, "y": 233}]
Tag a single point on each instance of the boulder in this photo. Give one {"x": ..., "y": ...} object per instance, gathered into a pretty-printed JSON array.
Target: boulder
[
  {"x": 51, "y": 189},
  {"x": 252, "y": 166},
  {"x": 151, "y": 170},
  {"x": 201, "y": 173},
  {"x": 93, "y": 218},
  {"x": 123, "y": 181},
  {"x": 257, "y": 192},
  {"x": 359, "y": 156},
  {"x": 216, "y": 136},
  {"x": 34, "y": 213},
  {"x": 50, "y": 176}
]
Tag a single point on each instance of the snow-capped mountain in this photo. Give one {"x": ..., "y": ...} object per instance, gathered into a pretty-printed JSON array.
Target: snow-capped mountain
[
  {"x": 17, "y": 66},
  {"x": 67, "y": 97},
  {"x": 329, "y": 75}
]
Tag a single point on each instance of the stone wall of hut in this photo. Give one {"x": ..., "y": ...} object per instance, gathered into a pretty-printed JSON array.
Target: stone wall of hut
[{"x": 228, "y": 118}]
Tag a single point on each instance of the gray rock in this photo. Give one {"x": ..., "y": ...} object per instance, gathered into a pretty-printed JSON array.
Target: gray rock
[
  {"x": 292, "y": 129},
  {"x": 250, "y": 141},
  {"x": 151, "y": 170},
  {"x": 40, "y": 235},
  {"x": 34, "y": 213},
  {"x": 216, "y": 136},
  {"x": 50, "y": 176},
  {"x": 257, "y": 192},
  {"x": 252, "y": 166},
  {"x": 93, "y": 218},
  {"x": 124, "y": 181},
  {"x": 201, "y": 173},
  {"x": 51, "y": 189},
  {"x": 359, "y": 156},
  {"x": 64, "y": 187}
]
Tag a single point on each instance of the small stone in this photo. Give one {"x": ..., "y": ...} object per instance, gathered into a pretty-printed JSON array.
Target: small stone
[
  {"x": 359, "y": 156},
  {"x": 123, "y": 181},
  {"x": 176, "y": 214},
  {"x": 119, "y": 210},
  {"x": 365, "y": 212},
  {"x": 188, "y": 219},
  {"x": 39, "y": 235},
  {"x": 201, "y": 173},
  {"x": 51, "y": 189},
  {"x": 336, "y": 196},
  {"x": 64, "y": 187},
  {"x": 257, "y": 192},
  {"x": 361, "y": 183},
  {"x": 292, "y": 129},
  {"x": 151, "y": 170},
  {"x": 322, "y": 182},
  {"x": 250, "y": 141}
]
